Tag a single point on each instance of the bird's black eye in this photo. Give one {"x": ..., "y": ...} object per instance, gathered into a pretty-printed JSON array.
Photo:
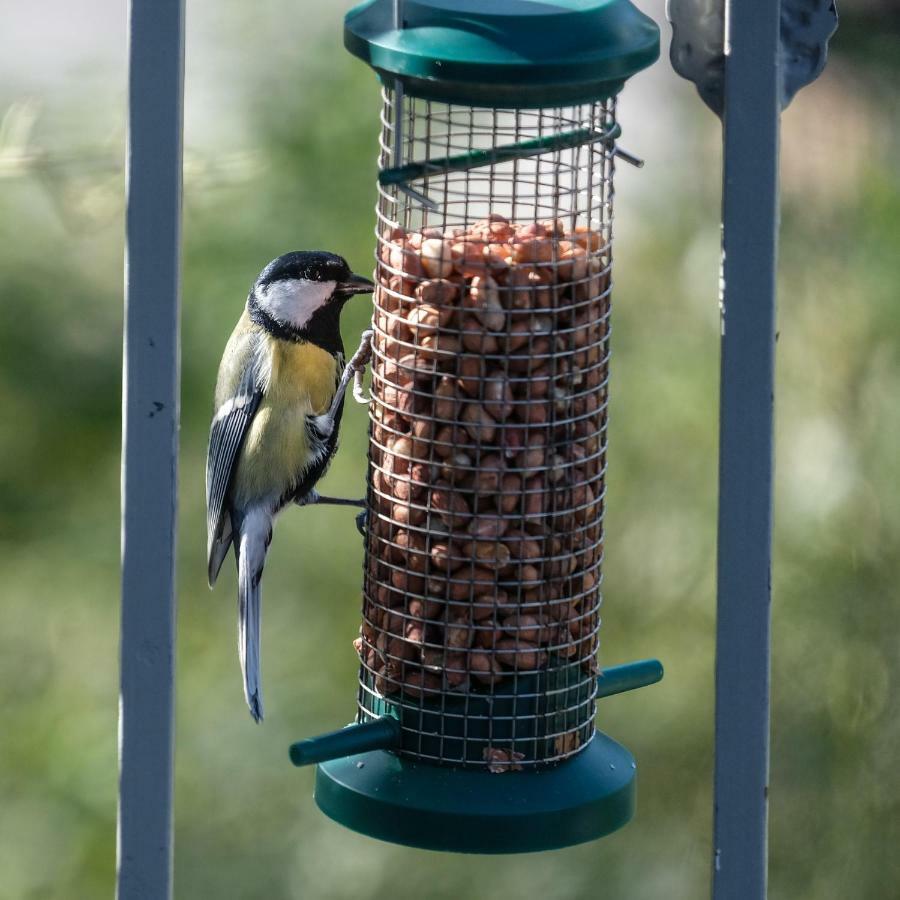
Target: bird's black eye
[{"x": 338, "y": 271}]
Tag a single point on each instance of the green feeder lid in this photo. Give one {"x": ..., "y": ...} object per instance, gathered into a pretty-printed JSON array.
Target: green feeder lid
[{"x": 504, "y": 53}]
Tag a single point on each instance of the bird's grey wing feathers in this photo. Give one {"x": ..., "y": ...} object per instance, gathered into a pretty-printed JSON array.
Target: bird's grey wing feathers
[{"x": 226, "y": 437}]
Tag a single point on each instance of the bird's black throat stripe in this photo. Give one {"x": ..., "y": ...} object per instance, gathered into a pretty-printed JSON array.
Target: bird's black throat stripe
[
  {"x": 277, "y": 329},
  {"x": 323, "y": 329}
]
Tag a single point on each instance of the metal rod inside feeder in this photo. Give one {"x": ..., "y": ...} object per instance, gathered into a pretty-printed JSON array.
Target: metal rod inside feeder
[{"x": 400, "y": 175}]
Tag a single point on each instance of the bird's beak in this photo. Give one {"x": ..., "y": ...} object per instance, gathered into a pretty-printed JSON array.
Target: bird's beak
[{"x": 355, "y": 284}]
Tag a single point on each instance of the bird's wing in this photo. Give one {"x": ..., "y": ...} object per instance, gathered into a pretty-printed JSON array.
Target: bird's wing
[{"x": 226, "y": 436}]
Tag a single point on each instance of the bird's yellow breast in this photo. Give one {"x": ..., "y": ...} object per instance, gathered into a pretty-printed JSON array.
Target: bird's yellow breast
[
  {"x": 301, "y": 382},
  {"x": 302, "y": 373}
]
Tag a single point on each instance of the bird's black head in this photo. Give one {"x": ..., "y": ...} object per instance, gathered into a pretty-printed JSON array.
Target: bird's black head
[
  {"x": 299, "y": 296},
  {"x": 305, "y": 265}
]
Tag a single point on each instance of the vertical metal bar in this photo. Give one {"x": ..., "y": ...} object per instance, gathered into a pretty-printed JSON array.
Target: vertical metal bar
[
  {"x": 750, "y": 226},
  {"x": 398, "y": 95},
  {"x": 150, "y": 448}
]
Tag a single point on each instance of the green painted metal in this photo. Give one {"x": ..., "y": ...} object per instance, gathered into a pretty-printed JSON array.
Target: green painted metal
[
  {"x": 467, "y": 811},
  {"x": 380, "y": 734},
  {"x": 460, "y": 727},
  {"x": 438, "y": 729},
  {"x": 565, "y": 140},
  {"x": 628, "y": 677},
  {"x": 504, "y": 53}
]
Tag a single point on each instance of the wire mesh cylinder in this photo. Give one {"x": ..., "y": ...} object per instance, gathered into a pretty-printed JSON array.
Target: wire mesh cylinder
[{"x": 488, "y": 433}]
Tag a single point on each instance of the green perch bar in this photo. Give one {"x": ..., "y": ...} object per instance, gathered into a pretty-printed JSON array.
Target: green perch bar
[
  {"x": 628, "y": 676},
  {"x": 384, "y": 733}
]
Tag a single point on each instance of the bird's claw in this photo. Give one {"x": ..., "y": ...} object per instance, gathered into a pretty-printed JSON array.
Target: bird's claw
[
  {"x": 360, "y": 395},
  {"x": 357, "y": 366},
  {"x": 307, "y": 499}
]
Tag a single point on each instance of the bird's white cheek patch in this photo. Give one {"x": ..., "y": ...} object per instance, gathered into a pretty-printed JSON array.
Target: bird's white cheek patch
[{"x": 293, "y": 301}]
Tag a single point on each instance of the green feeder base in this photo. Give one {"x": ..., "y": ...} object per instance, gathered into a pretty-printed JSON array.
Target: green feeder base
[{"x": 470, "y": 811}]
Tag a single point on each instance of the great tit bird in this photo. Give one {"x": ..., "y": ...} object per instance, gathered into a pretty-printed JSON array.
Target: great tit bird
[{"x": 279, "y": 399}]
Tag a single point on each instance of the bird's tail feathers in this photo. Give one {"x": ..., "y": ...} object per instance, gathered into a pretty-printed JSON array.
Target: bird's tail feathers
[{"x": 256, "y": 532}]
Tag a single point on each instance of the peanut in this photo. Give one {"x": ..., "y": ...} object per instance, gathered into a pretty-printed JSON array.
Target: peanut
[
  {"x": 440, "y": 346},
  {"x": 531, "y": 230},
  {"x": 524, "y": 627},
  {"x": 470, "y": 371},
  {"x": 573, "y": 262},
  {"x": 527, "y": 249},
  {"x": 407, "y": 514},
  {"x": 405, "y": 261},
  {"x": 522, "y": 546},
  {"x": 478, "y": 422},
  {"x": 419, "y": 683},
  {"x": 446, "y": 401},
  {"x": 456, "y": 671},
  {"x": 484, "y": 667},
  {"x": 487, "y": 527},
  {"x": 451, "y": 507},
  {"x": 425, "y": 320},
  {"x": 469, "y": 258},
  {"x": 409, "y": 548},
  {"x": 458, "y": 634},
  {"x": 510, "y": 493},
  {"x": 446, "y": 557},
  {"x": 587, "y": 238},
  {"x": 487, "y": 455},
  {"x": 436, "y": 257},
  {"x": 438, "y": 292},
  {"x": 489, "y": 475},
  {"x": 483, "y": 299},
  {"x": 519, "y": 654},
  {"x": 407, "y": 582},
  {"x": 498, "y": 398},
  {"x": 475, "y": 339},
  {"x": 528, "y": 288},
  {"x": 486, "y": 552}
]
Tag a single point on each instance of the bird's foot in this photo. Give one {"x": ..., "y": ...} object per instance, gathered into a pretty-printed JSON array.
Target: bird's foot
[
  {"x": 362, "y": 519},
  {"x": 360, "y": 395},
  {"x": 315, "y": 497},
  {"x": 354, "y": 369},
  {"x": 357, "y": 366},
  {"x": 363, "y": 353}
]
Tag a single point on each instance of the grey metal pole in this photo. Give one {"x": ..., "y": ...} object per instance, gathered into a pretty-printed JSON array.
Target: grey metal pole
[
  {"x": 752, "y": 107},
  {"x": 150, "y": 448},
  {"x": 772, "y": 49}
]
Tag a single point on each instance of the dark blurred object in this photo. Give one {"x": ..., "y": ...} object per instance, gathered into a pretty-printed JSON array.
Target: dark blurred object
[{"x": 869, "y": 34}]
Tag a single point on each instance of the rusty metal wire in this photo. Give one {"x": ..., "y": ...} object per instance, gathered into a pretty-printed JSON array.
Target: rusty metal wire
[{"x": 481, "y": 606}]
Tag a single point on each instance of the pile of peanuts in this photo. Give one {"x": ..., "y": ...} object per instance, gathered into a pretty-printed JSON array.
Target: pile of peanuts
[{"x": 488, "y": 453}]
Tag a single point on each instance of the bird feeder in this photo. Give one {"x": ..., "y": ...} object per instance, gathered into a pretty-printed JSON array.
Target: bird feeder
[{"x": 478, "y": 677}]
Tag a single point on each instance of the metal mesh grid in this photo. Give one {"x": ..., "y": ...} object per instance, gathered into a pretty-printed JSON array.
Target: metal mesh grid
[{"x": 488, "y": 437}]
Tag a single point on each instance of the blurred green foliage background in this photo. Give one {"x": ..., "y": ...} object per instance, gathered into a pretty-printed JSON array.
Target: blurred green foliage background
[{"x": 280, "y": 154}]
